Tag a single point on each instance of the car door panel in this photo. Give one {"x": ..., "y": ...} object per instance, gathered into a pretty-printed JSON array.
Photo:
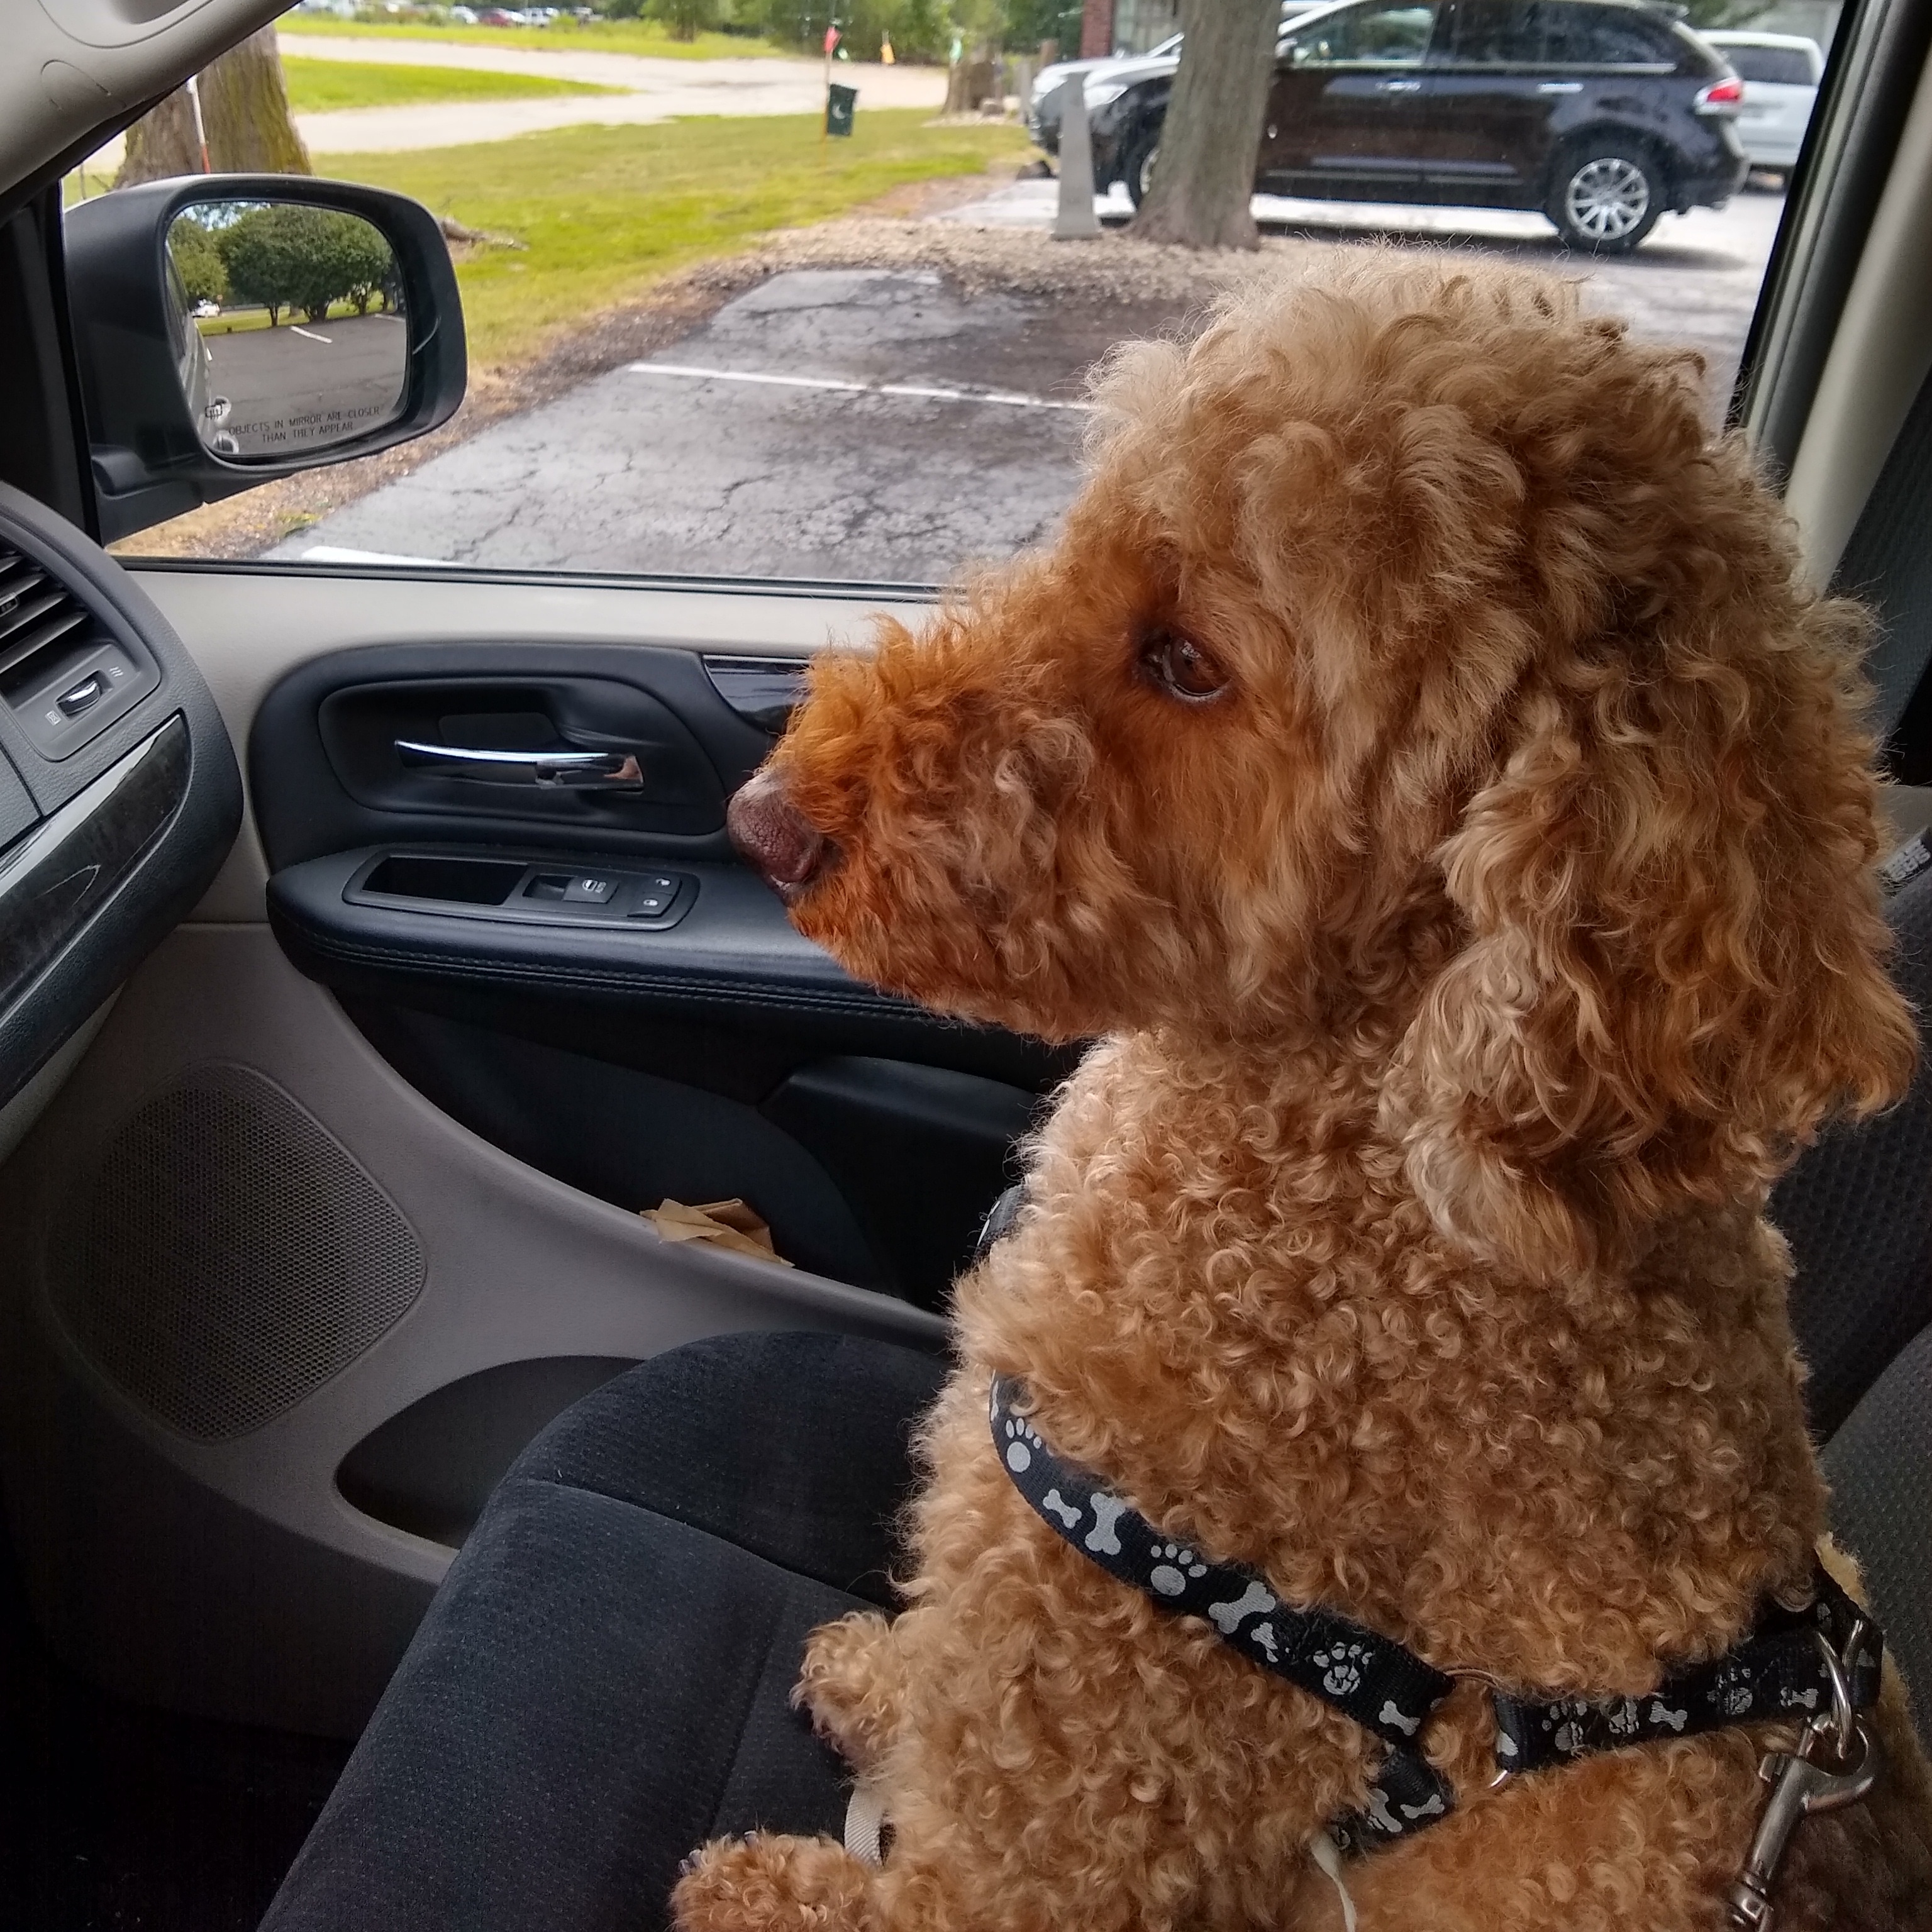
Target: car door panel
[
  {"x": 1490, "y": 100},
  {"x": 245, "y": 1431},
  {"x": 1345, "y": 113},
  {"x": 715, "y": 952},
  {"x": 395, "y": 1207}
]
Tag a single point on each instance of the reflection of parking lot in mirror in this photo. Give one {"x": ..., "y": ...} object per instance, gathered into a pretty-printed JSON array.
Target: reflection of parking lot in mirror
[
  {"x": 289, "y": 331},
  {"x": 304, "y": 384}
]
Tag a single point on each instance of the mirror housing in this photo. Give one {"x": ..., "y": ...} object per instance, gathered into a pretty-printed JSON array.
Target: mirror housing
[{"x": 149, "y": 460}]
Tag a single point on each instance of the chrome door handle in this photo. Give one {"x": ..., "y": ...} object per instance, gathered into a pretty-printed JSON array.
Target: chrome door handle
[
  {"x": 1401, "y": 86},
  {"x": 596, "y": 771},
  {"x": 1559, "y": 87}
]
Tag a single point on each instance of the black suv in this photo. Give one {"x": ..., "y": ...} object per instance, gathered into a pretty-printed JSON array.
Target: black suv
[{"x": 1602, "y": 113}]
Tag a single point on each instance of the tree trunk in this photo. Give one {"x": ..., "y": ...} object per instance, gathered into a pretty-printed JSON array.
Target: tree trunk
[
  {"x": 244, "y": 107},
  {"x": 1203, "y": 176}
]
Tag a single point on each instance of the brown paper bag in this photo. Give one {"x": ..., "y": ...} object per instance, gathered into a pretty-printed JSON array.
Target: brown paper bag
[{"x": 732, "y": 1224}]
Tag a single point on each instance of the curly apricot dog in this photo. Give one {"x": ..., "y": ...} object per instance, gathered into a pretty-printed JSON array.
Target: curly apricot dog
[{"x": 1422, "y": 761}]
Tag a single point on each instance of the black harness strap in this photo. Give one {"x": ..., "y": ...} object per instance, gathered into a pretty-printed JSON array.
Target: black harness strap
[
  {"x": 1386, "y": 1689},
  {"x": 1777, "y": 1671}
]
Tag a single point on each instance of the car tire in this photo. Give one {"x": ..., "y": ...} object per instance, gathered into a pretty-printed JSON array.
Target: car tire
[
  {"x": 1605, "y": 196},
  {"x": 1137, "y": 163}
]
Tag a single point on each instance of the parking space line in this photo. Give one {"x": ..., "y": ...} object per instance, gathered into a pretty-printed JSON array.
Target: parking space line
[{"x": 927, "y": 392}]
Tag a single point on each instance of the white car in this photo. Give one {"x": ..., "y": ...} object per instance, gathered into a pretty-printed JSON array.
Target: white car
[{"x": 1781, "y": 73}]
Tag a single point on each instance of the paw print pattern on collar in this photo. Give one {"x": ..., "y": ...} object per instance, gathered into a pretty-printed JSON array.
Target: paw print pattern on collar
[{"x": 1386, "y": 1689}]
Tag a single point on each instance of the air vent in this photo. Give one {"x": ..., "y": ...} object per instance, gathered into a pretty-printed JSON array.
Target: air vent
[
  {"x": 39, "y": 619},
  {"x": 63, "y": 675}
]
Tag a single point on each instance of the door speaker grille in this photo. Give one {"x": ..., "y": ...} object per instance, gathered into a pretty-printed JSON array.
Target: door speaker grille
[{"x": 227, "y": 1256}]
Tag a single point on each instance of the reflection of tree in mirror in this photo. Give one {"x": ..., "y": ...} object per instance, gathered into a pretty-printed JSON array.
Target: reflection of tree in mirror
[
  {"x": 197, "y": 254},
  {"x": 282, "y": 255}
]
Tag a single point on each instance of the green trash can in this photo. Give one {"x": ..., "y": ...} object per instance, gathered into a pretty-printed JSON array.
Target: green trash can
[{"x": 839, "y": 102}]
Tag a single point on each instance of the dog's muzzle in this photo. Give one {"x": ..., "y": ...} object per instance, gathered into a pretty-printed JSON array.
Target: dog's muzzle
[{"x": 772, "y": 834}]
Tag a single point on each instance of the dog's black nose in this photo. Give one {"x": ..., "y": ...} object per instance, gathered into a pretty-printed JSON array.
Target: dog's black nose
[{"x": 771, "y": 832}]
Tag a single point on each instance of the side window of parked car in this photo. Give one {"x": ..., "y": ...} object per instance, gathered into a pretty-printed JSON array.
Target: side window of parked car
[
  {"x": 1780, "y": 67},
  {"x": 1606, "y": 36},
  {"x": 1498, "y": 33},
  {"x": 1384, "y": 36}
]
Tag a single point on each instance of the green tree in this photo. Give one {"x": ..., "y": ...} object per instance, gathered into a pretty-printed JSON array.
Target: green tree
[
  {"x": 282, "y": 255},
  {"x": 363, "y": 262},
  {"x": 197, "y": 257},
  {"x": 686, "y": 19}
]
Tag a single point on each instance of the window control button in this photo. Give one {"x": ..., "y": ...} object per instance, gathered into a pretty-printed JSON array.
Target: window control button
[
  {"x": 589, "y": 888},
  {"x": 88, "y": 692}
]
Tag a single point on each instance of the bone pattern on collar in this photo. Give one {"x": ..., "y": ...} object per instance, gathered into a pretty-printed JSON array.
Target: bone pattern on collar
[{"x": 1776, "y": 1672}]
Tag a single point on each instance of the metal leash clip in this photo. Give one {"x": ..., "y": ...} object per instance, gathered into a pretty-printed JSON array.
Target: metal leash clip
[{"x": 1801, "y": 1783}]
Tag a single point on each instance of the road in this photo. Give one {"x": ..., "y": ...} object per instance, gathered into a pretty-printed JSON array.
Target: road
[
  {"x": 654, "y": 90},
  {"x": 306, "y": 384},
  {"x": 657, "y": 467},
  {"x": 877, "y": 424}
]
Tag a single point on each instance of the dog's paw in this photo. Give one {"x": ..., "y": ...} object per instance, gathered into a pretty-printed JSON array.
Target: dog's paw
[
  {"x": 769, "y": 1883},
  {"x": 1341, "y": 1665},
  {"x": 851, "y": 1682},
  {"x": 1174, "y": 1564}
]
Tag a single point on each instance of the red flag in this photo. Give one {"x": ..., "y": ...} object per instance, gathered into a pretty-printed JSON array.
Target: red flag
[{"x": 831, "y": 40}]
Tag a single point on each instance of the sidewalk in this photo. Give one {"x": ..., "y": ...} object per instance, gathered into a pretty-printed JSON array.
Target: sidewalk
[
  {"x": 1032, "y": 204},
  {"x": 653, "y": 90}
]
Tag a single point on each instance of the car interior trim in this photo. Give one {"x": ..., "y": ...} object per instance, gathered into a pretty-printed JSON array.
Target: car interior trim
[
  {"x": 1870, "y": 83},
  {"x": 1879, "y": 355}
]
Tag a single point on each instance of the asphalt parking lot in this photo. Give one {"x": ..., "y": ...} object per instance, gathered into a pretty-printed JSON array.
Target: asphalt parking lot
[
  {"x": 295, "y": 386},
  {"x": 882, "y": 424}
]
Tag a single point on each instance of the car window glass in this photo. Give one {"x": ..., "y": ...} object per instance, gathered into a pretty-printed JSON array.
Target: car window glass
[
  {"x": 1387, "y": 36},
  {"x": 1497, "y": 33},
  {"x": 712, "y": 337},
  {"x": 1585, "y": 36},
  {"x": 1781, "y": 66}
]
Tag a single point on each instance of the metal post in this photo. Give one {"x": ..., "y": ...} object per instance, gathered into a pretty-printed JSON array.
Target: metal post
[
  {"x": 1075, "y": 219},
  {"x": 200, "y": 127}
]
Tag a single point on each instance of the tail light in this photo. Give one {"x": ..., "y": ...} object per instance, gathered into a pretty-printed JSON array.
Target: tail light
[{"x": 1721, "y": 96}]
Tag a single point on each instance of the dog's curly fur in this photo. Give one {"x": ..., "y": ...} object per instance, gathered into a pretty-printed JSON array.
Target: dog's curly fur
[{"x": 1468, "y": 968}]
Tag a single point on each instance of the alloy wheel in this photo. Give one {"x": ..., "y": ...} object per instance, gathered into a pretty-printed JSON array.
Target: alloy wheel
[{"x": 1607, "y": 199}]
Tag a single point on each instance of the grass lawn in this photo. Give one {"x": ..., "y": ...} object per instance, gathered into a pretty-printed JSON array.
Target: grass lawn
[
  {"x": 574, "y": 37},
  {"x": 318, "y": 86},
  {"x": 249, "y": 321},
  {"x": 605, "y": 212}
]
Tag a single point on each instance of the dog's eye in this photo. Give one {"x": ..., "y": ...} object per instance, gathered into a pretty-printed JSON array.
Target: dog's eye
[{"x": 1181, "y": 668}]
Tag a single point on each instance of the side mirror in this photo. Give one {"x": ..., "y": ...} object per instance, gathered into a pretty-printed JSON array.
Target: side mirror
[{"x": 231, "y": 329}]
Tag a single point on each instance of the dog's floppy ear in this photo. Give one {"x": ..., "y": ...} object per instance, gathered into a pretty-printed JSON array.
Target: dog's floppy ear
[{"x": 1673, "y": 969}]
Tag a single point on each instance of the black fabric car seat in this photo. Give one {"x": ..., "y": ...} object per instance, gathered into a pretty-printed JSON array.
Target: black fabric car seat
[
  {"x": 603, "y": 1681},
  {"x": 1857, "y": 1210}
]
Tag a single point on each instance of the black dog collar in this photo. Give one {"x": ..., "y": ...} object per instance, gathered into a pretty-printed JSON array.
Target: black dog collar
[{"x": 1777, "y": 1671}]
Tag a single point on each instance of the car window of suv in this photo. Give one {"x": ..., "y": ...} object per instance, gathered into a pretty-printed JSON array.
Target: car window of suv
[
  {"x": 1497, "y": 33},
  {"x": 711, "y": 339},
  {"x": 1377, "y": 36},
  {"x": 1784, "y": 67},
  {"x": 1618, "y": 37}
]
